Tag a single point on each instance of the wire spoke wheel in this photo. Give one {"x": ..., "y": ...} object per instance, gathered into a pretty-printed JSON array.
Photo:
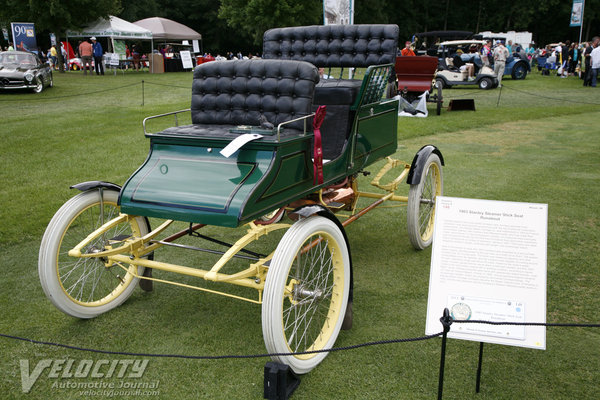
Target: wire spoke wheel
[
  {"x": 421, "y": 203},
  {"x": 87, "y": 287},
  {"x": 306, "y": 292}
]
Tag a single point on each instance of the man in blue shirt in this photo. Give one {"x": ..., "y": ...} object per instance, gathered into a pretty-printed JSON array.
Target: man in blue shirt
[{"x": 98, "y": 52}]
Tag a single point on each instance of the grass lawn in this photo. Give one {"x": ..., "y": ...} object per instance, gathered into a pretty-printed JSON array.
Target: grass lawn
[{"x": 537, "y": 140}]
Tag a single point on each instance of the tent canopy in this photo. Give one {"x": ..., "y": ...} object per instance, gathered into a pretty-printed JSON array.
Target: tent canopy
[
  {"x": 113, "y": 27},
  {"x": 163, "y": 28}
]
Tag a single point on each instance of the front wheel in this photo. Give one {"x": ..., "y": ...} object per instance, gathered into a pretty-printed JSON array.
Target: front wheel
[
  {"x": 306, "y": 292},
  {"x": 485, "y": 83},
  {"x": 421, "y": 203},
  {"x": 87, "y": 287},
  {"x": 39, "y": 85}
]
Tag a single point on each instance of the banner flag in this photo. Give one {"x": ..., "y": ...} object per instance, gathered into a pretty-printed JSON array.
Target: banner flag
[
  {"x": 577, "y": 13},
  {"x": 23, "y": 34},
  {"x": 338, "y": 12}
]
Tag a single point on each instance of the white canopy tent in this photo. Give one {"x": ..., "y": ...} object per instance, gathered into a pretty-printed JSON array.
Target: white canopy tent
[{"x": 113, "y": 28}]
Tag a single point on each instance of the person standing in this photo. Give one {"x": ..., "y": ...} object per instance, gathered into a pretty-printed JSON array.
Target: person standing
[
  {"x": 53, "y": 56},
  {"x": 587, "y": 73},
  {"x": 595, "y": 60},
  {"x": 500, "y": 56},
  {"x": 486, "y": 53},
  {"x": 407, "y": 51},
  {"x": 98, "y": 52},
  {"x": 85, "y": 52}
]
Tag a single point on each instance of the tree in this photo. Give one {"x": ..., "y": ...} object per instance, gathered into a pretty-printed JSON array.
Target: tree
[
  {"x": 254, "y": 17},
  {"x": 59, "y": 15}
]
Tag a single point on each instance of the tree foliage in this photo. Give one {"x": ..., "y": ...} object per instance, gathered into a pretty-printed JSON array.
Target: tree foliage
[
  {"x": 58, "y": 15},
  {"x": 254, "y": 17},
  {"x": 238, "y": 25}
]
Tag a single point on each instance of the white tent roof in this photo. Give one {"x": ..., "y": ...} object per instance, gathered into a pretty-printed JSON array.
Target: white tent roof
[
  {"x": 163, "y": 28},
  {"x": 113, "y": 27}
]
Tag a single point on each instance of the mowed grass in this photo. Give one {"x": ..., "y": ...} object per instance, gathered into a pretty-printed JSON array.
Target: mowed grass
[{"x": 539, "y": 143}]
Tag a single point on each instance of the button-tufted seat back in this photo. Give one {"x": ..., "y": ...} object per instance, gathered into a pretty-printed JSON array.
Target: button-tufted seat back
[
  {"x": 333, "y": 45},
  {"x": 238, "y": 92}
]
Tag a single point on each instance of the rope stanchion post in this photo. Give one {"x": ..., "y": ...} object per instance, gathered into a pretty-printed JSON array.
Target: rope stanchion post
[
  {"x": 478, "y": 379},
  {"x": 142, "y": 92},
  {"x": 446, "y": 322},
  {"x": 280, "y": 381}
]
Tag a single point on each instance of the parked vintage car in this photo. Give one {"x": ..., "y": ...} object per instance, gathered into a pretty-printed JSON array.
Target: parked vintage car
[{"x": 24, "y": 70}]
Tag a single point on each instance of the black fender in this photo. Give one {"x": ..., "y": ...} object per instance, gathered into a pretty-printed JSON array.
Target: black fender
[
  {"x": 89, "y": 185},
  {"x": 418, "y": 163},
  {"x": 145, "y": 284},
  {"x": 322, "y": 211}
]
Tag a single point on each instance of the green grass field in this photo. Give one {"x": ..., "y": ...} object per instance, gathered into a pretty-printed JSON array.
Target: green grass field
[{"x": 536, "y": 141}]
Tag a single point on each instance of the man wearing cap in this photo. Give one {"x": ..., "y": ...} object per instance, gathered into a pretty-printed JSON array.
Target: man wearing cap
[
  {"x": 85, "y": 52},
  {"x": 500, "y": 56},
  {"x": 97, "y": 49},
  {"x": 407, "y": 51}
]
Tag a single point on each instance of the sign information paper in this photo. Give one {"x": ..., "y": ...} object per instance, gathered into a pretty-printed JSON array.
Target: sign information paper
[{"x": 489, "y": 263}]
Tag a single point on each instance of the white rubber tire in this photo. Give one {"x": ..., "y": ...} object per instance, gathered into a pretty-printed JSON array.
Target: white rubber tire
[
  {"x": 321, "y": 289},
  {"x": 420, "y": 211},
  {"x": 57, "y": 270}
]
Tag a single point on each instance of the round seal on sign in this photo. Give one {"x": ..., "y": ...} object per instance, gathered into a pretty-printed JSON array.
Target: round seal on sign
[{"x": 460, "y": 312}]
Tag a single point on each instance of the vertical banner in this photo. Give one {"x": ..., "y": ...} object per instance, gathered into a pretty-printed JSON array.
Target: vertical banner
[
  {"x": 577, "y": 13},
  {"x": 338, "y": 12},
  {"x": 24, "y": 36},
  {"x": 5, "y": 33},
  {"x": 52, "y": 39}
]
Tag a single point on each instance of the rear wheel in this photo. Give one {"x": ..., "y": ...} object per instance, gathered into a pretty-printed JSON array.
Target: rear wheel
[
  {"x": 306, "y": 292},
  {"x": 439, "y": 98},
  {"x": 519, "y": 71},
  {"x": 86, "y": 287},
  {"x": 421, "y": 203}
]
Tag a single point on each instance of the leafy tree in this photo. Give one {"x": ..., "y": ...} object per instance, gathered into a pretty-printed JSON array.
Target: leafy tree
[
  {"x": 58, "y": 15},
  {"x": 254, "y": 17}
]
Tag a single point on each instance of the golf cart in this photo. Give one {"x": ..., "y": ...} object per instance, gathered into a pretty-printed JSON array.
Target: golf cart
[{"x": 455, "y": 62}]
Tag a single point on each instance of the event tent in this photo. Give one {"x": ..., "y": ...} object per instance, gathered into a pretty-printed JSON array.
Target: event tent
[
  {"x": 163, "y": 28},
  {"x": 113, "y": 27}
]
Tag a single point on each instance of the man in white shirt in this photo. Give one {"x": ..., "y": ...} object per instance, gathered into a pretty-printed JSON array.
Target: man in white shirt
[{"x": 595, "y": 60}]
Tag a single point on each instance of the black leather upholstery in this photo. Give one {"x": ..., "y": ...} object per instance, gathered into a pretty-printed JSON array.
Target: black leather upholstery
[
  {"x": 337, "y": 91},
  {"x": 239, "y": 92},
  {"x": 333, "y": 45}
]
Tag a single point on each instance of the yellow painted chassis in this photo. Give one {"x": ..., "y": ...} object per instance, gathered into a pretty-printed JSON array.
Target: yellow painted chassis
[{"x": 133, "y": 251}]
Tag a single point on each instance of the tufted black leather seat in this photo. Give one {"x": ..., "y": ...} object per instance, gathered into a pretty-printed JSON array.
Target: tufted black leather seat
[
  {"x": 358, "y": 46},
  {"x": 230, "y": 93}
]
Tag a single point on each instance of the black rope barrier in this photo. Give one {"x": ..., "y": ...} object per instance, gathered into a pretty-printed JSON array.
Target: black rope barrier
[
  {"x": 226, "y": 356},
  {"x": 549, "y": 97},
  {"x": 175, "y": 86},
  {"x": 74, "y": 95}
]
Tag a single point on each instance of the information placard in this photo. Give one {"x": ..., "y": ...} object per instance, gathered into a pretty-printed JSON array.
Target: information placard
[
  {"x": 186, "y": 59},
  {"x": 489, "y": 263}
]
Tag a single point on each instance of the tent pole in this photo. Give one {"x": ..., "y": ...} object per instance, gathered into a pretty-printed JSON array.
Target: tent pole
[{"x": 152, "y": 54}]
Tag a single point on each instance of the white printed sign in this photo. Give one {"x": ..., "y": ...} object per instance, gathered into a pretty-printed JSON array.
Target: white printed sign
[
  {"x": 186, "y": 59},
  {"x": 489, "y": 263}
]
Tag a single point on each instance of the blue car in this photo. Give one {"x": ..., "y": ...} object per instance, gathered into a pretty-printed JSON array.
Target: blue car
[{"x": 517, "y": 67}]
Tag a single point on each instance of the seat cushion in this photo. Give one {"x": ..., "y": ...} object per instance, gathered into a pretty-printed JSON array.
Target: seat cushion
[
  {"x": 239, "y": 92},
  {"x": 206, "y": 131},
  {"x": 337, "y": 91},
  {"x": 333, "y": 45}
]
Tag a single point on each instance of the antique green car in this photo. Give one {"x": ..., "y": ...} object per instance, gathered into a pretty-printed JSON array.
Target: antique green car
[{"x": 262, "y": 155}]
